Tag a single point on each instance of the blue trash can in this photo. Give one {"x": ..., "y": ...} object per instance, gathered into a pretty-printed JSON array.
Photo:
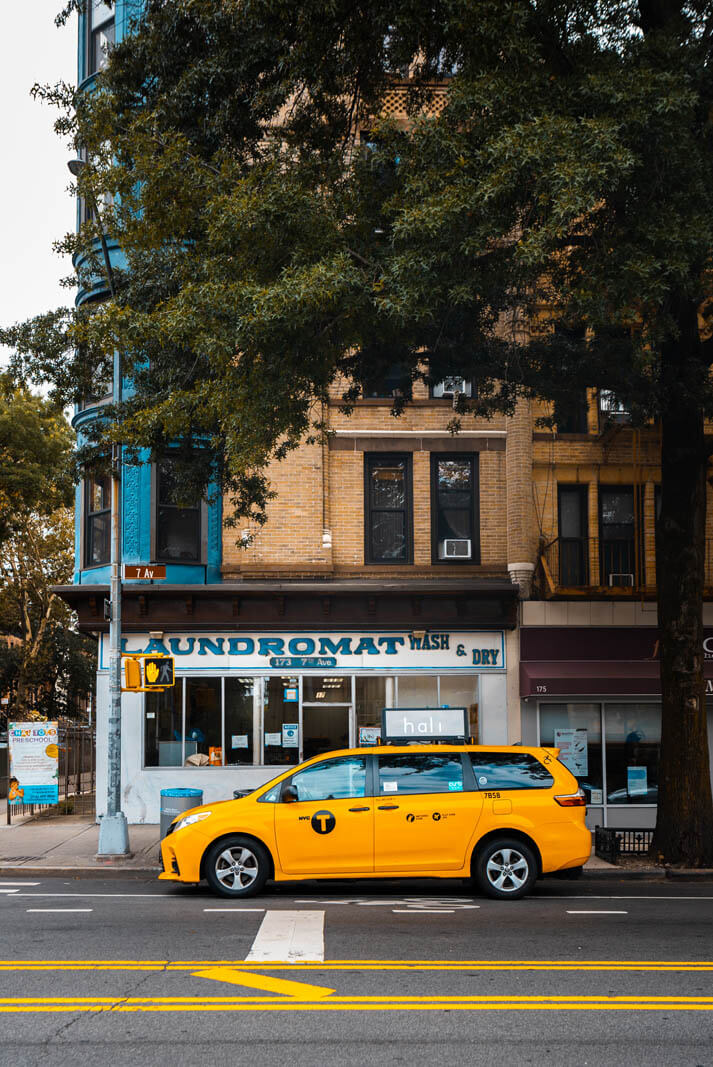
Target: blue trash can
[{"x": 174, "y": 802}]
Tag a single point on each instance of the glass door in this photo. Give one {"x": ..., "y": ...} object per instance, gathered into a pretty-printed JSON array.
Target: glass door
[{"x": 327, "y": 714}]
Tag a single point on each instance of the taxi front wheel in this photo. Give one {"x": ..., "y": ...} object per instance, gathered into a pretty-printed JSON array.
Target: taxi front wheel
[
  {"x": 505, "y": 869},
  {"x": 237, "y": 867}
]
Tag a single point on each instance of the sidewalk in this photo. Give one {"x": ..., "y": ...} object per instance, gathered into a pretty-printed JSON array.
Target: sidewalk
[{"x": 69, "y": 843}]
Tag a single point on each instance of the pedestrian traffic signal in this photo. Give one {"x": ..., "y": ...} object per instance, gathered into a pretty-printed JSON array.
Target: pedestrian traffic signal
[
  {"x": 158, "y": 672},
  {"x": 132, "y": 675}
]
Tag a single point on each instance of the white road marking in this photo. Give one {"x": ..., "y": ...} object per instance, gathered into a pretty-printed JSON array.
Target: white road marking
[
  {"x": 234, "y": 909},
  {"x": 422, "y": 911},
  {"x": 597, "y": 912},
  {"x": 62, "y": 911},
  {"x": 610, "y": 896},
  {"x": 18, "y": 884},
  {"x": 289, "y": 937},
  {"x": 9, "y": 890}
]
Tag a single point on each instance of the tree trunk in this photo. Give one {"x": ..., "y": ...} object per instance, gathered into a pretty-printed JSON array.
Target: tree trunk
[{"x": 684, "y": 826}]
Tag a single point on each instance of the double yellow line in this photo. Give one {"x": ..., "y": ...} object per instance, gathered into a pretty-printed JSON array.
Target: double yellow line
[
  {"x": 352, "y": 1003},
  {"x": 660, "y": 966}
]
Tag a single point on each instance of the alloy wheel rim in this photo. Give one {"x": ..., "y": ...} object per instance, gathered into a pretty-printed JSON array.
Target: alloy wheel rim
[
  {"x": 236, "y": 868},
  {"x": 507, "y": 870}
]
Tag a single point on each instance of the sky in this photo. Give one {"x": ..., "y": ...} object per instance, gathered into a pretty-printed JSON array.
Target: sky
[{"x": 33, "y": 176}]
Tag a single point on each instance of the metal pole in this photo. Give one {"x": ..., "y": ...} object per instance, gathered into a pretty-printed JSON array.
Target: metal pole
[{"x": 113, "y": 828}]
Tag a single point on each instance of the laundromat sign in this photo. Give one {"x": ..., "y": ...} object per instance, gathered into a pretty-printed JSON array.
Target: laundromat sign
[{"x": 402, "y": 650}]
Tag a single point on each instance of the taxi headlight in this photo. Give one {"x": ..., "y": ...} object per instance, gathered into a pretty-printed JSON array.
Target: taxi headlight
[{"x": 188, "y": 820}]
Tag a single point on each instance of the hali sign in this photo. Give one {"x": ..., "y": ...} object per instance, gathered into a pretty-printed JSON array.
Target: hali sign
[{"x": 34, "y": 762}]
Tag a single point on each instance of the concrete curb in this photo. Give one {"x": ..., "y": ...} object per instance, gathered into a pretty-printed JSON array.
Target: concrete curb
[{"x": 107, "y": 871}]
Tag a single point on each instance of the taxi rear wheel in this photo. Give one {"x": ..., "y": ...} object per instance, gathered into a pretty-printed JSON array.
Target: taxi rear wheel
[
  {"x": 237, "y": 867},
  {"x": 505, "y": 869}
]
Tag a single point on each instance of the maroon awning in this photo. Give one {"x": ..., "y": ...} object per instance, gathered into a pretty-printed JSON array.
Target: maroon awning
[{"x": 543, "y": 678}]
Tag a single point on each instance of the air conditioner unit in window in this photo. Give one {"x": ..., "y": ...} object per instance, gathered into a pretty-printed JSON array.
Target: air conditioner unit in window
[
  {"x": 621, "y": 579},
  {"x": 450, "y": 387},
  {"x": 456, "y": 548}
]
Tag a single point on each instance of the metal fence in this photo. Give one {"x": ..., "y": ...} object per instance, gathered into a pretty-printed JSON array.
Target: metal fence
[
  {"x": 612, "y": 842},
  {"x": 77, "y": 776}
]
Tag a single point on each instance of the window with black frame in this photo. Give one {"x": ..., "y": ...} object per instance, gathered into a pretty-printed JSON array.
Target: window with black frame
[
  {"x": 97, "y": 520},
  {"x": 455, "y": 533},
  {"x": 100, "y": 34},
  {"x": 178, "y": 518},
  {"x": 388, "y": 508}
]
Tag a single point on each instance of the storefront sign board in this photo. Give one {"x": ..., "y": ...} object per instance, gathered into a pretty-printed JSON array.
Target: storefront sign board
[
  {"x": 34, "y": 762},
  {"x": 637, "y": 781},
  {"x": 369, "y": 735},
  {"x": 358, "y": 650},
  {"x": 573, "y": 750},
  {"x": 290, "y": 735}
]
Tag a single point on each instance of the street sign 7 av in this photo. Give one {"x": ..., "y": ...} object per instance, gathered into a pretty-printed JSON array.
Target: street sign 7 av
[{"x": 144, "y": 571}]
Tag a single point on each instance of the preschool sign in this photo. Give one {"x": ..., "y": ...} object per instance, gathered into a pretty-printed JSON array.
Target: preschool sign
[
  {"x": 355, "y": 650},
  {"x": 34, "y": 762}
]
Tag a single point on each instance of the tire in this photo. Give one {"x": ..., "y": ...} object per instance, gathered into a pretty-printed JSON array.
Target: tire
[
  {"x": 505, "y": 868},
  {"x": 237, "y": 867}
]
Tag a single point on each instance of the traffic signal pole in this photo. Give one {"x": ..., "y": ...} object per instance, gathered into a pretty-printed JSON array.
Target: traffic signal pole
[{"x": 113, "y": 827}]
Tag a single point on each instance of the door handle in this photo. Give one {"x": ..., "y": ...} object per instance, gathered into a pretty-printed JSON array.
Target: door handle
[
  {"x": 387, "y": 807},
  {"x": 359, "y": 809}
]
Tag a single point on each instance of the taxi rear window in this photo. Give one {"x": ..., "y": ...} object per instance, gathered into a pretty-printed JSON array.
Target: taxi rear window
[{"x": 509, "y": 770}]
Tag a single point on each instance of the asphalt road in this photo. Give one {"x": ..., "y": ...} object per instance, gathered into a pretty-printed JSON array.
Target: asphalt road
[{"x": 135, "y": 972}]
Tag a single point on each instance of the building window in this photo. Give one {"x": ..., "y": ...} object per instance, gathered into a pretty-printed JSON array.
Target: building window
[
  {"x": 573, "y": 560},
  {"x": 572, "y": 416},
  {"x": 455, "y": 524},
  {"x": 100, "y": 34},
  {"x": 394, "y": 383},
  {"x": 97, "y": 515},
  {"x": 576, "y": 729},
  {"x": 633, "y": 739},
  {"x": 451, "y": 387},
  {"x": 618, "y": 553},
  {"x": 388, "y": 509},
  {"x": 178, "y": 519}
]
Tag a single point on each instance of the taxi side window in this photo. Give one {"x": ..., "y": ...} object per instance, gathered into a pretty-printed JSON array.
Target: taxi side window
[
  {"x": 509, "y": 770},
  {"x": 399, "y": 775},
  {"x": 333, "y": 779}
]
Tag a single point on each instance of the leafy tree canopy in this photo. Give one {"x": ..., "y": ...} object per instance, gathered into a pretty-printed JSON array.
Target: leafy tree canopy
[
  {"x": 279, "y": 234},
  {"x": 36, "y": 456}
]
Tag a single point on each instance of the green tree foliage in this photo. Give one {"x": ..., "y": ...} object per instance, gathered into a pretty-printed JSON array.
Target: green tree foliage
[
  {"x": 277, "y": 233},
  {"x": 46, "y": 666},
  {"x": 36, "y": 455}
]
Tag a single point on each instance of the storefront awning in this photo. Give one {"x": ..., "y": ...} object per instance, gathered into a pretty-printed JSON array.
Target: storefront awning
[{"x": 544, "y": 678}]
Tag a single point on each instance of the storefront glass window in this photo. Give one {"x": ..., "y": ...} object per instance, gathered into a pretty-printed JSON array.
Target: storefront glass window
[
  {"x": 418, "y": 691},
  {"x": 281, "y": 746},
  {"x": 239, "y": 720},
  {"x": 203, "y": 722},
  {"x": 334, "y": 689},
  {"x": 458, "y": 691},
  {"x": 580, "y": 743},
  {"x": 371, "y": 698},
  {"x": 163, "y": 721},
  {"x": 633, "y": 738}
]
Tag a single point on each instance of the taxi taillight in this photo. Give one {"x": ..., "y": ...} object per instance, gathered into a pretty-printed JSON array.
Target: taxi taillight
[{"x": 572, "y": 800}]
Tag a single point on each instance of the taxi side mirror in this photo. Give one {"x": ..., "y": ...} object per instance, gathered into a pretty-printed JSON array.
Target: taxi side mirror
[{"x": 289, "y": 794}]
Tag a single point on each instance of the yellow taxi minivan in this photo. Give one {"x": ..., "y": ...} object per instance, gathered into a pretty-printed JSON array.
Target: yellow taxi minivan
[{"x": 502, "y": 815}]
